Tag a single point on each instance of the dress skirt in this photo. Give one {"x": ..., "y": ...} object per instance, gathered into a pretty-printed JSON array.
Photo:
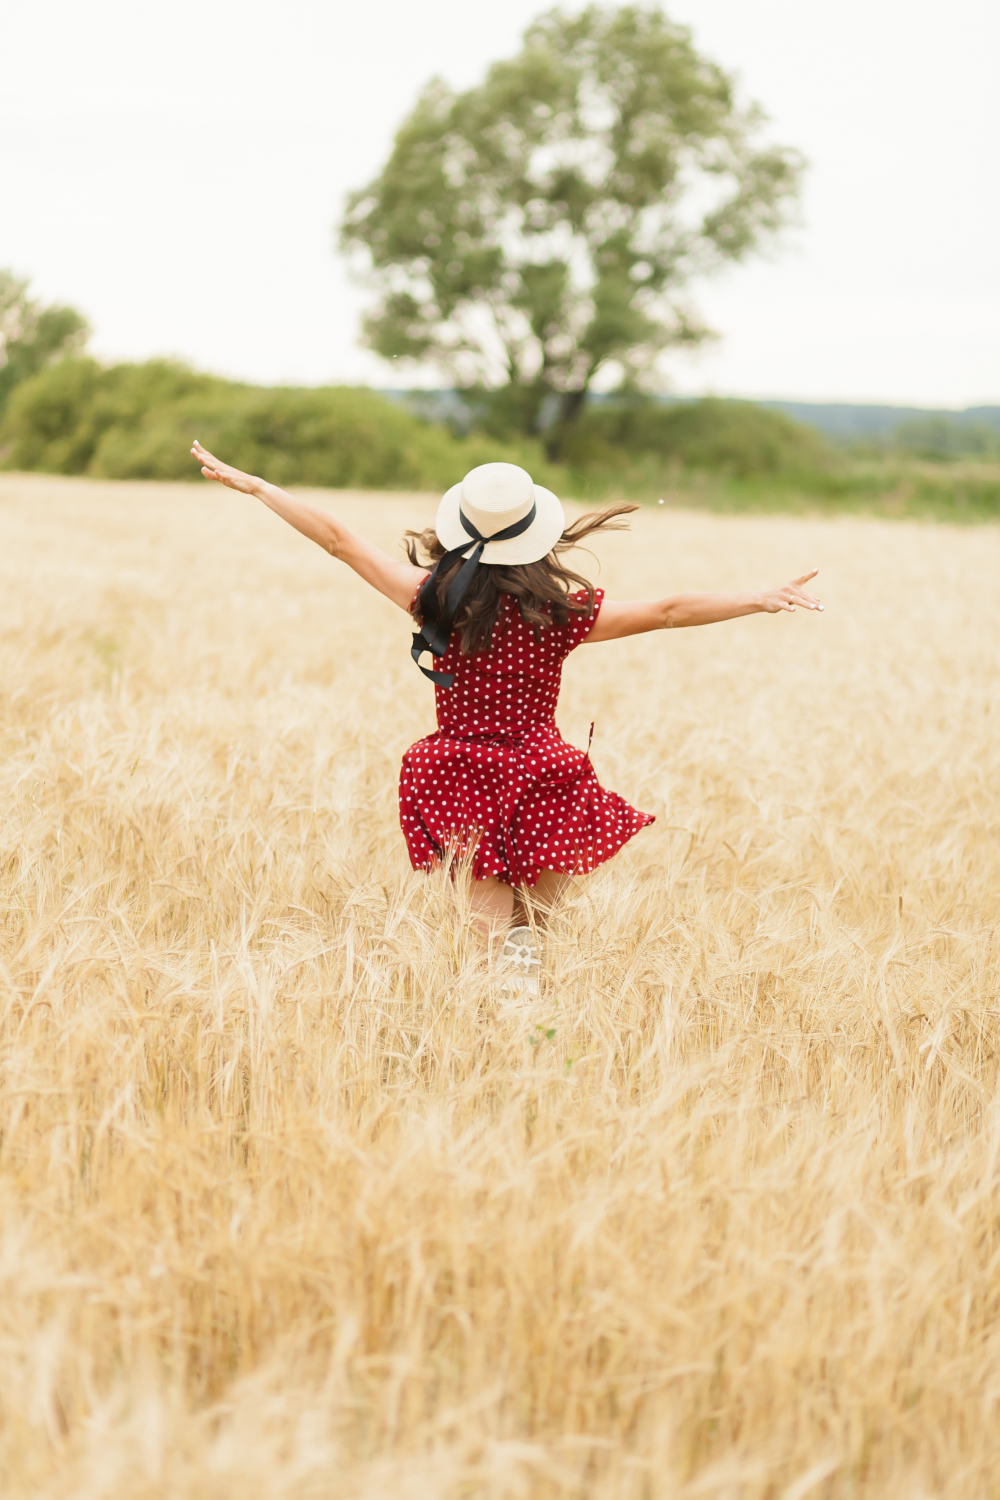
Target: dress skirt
[{"x": 514, "y": 805}]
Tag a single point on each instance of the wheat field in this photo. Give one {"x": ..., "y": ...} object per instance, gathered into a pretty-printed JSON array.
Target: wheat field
[{"x": 293, "y": 1204}]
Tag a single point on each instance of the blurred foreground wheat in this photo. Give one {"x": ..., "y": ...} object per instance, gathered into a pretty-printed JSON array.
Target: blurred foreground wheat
[{"x": 290, "y": 1207}]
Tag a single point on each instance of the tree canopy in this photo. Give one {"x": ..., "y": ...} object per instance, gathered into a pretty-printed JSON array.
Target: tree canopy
[
  {"x": 32, "y": 336},
  {"x": 545, "y": 225}
]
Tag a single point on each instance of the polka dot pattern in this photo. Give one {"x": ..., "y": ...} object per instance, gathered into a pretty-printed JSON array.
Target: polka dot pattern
[{"x": 497, "y": 781}]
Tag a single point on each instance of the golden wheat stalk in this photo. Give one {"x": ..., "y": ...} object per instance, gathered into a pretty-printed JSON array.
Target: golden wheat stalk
[{"x": 291, "y": 1206}]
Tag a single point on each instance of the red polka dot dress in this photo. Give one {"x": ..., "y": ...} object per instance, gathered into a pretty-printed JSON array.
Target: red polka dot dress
[{"x": 497, "y": 780}]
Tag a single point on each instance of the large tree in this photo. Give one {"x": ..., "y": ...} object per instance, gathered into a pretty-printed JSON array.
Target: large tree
[
  {"x": 32, "y": 336},
  {"x": 545, "y": 225}
]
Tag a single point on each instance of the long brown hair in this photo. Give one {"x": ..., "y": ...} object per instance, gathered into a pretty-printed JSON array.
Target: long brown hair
[{"x": 541, "y": 588}]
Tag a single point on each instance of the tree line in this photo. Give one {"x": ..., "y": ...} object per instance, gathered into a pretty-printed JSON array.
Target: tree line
[{"x": 533, "y": 238}]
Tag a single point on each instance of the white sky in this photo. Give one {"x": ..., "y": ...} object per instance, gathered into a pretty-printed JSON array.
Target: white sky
[{"x": 176, "y": 171}]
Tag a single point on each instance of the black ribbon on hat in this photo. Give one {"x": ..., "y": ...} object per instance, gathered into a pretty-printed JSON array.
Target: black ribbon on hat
[{"x": 435, "y": 633}]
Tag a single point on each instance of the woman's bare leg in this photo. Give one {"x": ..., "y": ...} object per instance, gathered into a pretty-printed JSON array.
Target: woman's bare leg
[
  {"x": 492, "y": 904},
  {"x": 540, "y": 900},
  {"x": 496, "y": 906}
]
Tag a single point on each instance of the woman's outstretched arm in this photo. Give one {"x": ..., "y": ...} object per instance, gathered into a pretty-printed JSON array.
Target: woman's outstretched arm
[
  {"x": 634, "y": 617},
  {"x": 396, "y": 579}
]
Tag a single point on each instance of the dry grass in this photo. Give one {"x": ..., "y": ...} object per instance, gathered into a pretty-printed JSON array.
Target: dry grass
[{"x": 289, "y": 1207}]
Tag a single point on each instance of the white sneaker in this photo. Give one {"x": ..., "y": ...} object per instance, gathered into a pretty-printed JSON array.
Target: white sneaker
[{"x": 521, "y": 961}]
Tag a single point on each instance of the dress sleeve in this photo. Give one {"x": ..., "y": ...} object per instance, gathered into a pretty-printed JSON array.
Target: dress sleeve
[{"x": 580, "y": 626}]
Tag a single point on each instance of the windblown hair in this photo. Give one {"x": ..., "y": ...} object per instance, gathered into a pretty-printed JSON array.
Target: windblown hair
[{"x": 541, "y": 588}]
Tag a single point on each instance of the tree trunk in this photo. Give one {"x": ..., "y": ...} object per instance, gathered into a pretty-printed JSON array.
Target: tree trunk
[{"x": 570, "y": 407}]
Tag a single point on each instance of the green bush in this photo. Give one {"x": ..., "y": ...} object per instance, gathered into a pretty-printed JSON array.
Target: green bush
[
  {"x": 943, "y": 438},
  {"x": 735, "y": 438},
  {"x": 64, "y": 420},
  {"x": 137, "y": 421}
]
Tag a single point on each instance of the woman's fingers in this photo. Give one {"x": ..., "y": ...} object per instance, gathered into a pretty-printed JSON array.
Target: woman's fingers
[
  {"x": 206, "y": 457},
  {"x": 796, "y": 592},
  {"x": 203, "y": 455},
  {"x": 791, "y": 596},
  {"x": 212, "y": 468}
]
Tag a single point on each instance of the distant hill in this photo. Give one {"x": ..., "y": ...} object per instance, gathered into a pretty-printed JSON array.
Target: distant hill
[{"x": 843, "y": 422}]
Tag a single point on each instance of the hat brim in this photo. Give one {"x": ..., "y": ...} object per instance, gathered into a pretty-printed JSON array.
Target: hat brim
[{"x": 532, "y": 545}]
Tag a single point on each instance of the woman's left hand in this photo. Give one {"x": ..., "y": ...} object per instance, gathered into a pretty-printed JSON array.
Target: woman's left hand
[
  {"x": 789, "y": 595},
  {"x": 214, "y": 468}
]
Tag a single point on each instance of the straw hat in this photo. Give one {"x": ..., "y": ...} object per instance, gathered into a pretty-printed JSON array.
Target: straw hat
[{"x": 494, "y": 498}]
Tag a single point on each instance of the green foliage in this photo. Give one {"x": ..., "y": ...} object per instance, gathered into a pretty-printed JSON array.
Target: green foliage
[
  {"x": 543, "y": 226},
  {"x": 943, "y": 438},
  {"x": 79, "y": 417},
  {"x": 137, "y": 421},
  {"x": 31, "y": 336},
  {"x": 736, "y": 438},
  {"x": 895, "y": 489}
]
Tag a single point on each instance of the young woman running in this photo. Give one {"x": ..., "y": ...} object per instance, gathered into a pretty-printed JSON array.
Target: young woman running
[{"x": 498, "y": 611}]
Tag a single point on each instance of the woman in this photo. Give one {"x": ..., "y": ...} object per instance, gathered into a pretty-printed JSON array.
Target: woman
[{"x": 496, "y": 784}]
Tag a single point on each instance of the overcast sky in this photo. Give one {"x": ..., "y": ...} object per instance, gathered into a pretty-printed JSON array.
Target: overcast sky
[{"x": 176, "y": 171}]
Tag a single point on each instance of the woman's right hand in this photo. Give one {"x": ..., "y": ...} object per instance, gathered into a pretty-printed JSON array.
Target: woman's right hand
[
  {"x": 789, "y": 595},
  {"x": 214, "y": 468}
]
